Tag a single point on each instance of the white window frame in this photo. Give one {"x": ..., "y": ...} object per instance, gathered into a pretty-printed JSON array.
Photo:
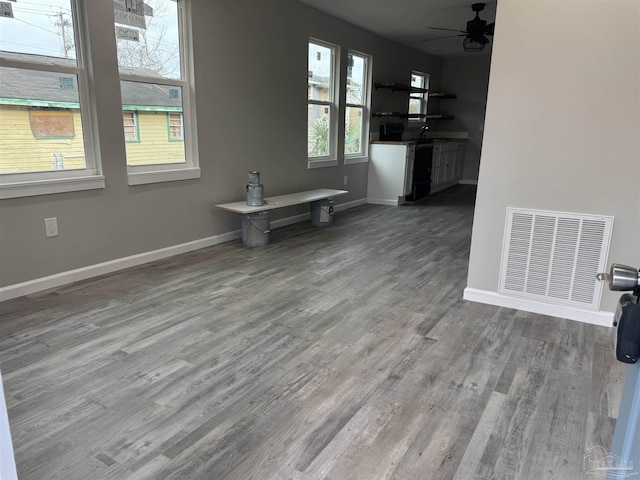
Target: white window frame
[
  {"x": 146, "y": 174},
  {"x": 362, "y": 156},
  {"x": 330, "y": 160},
  {"x": 422, "y": 97},
  {"x": 25, "y": 184}
]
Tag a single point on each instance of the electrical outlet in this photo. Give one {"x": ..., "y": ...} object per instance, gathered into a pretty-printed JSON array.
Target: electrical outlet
[
  {"x": 345, "y": 179},
  {"x": 51, "y": 227}
]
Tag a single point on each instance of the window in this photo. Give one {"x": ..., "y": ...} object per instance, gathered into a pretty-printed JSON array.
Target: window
[
  {"x": 356, "y": 124},
  {"x": 51, "y": 123},
  {"x": 176, "y": 129},
  {"x": 418, "y": 100},
  {"x": 45, "y": 133},
  {"x": 154, "y": 59},
  {"x": 322, "y": 109},
  {"x": 130, "y": 121}
]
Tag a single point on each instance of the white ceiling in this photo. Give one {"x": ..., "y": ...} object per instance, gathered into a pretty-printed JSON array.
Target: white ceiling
[{"x": 405, "y": 21}]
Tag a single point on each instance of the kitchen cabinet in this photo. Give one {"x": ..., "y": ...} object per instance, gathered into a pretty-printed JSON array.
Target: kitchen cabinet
[
  {"x": 446, "y": 168},
  {"x": 390, "y": 172}
]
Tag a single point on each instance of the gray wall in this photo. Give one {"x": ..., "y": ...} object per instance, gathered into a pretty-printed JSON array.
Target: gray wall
[
  {"x": 562, "y": 123},
  {"x": 250, "y": 75},
  {"x": 467, "y": 77}
]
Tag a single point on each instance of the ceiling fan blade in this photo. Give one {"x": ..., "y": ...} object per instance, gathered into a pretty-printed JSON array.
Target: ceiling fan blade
[
  {"x": 441, "y": 38},
  {"x": 447, "y": 29}
]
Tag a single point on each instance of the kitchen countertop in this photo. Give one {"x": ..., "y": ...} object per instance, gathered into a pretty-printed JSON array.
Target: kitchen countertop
[
  {"x": 393, "y": 142},
  {"x": 416, "y": 140}
]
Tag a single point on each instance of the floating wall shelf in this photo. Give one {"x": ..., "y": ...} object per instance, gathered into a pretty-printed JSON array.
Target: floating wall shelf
[
  {"x": 414, "y": 115},
  {"x": 400, "y": 87}
]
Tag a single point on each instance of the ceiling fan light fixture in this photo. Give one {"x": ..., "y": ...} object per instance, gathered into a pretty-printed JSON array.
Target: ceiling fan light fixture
[{"x": 473, "y": 45}]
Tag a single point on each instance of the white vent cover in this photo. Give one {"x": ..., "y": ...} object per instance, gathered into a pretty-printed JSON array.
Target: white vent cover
[{"x": 554, "y": 257}]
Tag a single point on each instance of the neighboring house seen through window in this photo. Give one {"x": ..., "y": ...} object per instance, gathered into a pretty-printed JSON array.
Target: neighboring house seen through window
[
  {"x": 44, "y": 102},
  {"x": 154, "y": 82},
  {"x": 47, "y": 140}
]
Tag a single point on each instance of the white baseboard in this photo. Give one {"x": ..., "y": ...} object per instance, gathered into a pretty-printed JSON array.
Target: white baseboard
[
  {"x": 464, "y": 181},
  {"x": 71, "y": 276},
  {"x": 383, "y": 201},
  {"x": 604, "y": 319},
  {"x": 351, "y": 204}
]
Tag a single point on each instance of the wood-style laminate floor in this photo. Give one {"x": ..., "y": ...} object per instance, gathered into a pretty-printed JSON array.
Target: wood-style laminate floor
[{"x": 337, "y": 353}]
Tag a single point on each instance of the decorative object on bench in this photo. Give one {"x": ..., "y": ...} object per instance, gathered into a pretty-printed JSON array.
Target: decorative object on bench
[
  {"x": 255, "y": 190},
  {"x": 255, "y": 229}
]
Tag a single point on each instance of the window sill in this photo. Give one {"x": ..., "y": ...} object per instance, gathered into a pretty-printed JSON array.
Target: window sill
[
  {"x": 322, "y": 163},
  {"x": 159, "y": 176},
  {"x": 354, "y": 160},
  {"x": 50, "y": 186}
]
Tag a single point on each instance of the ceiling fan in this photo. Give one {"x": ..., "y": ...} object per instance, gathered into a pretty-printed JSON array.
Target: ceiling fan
[{"x": 475, "y": 36}]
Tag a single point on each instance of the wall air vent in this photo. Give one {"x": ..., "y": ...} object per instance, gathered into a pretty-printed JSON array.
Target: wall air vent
[{"x": 553, "y": 257}]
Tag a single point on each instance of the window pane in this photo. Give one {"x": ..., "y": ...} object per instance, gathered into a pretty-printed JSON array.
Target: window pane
[
  {"x": 417, "y": 80},
  {"x": 41, "y": 28},
  {"x": 148, "y": 38},
  {"x": 415, "y": 105},
  {"x": 320, "y": 73},
  {"x": 353, "y": 130},
  {"x": 356, "y": 79},
  {"x": 130, "y": 126},
  {"x": 40, "y": 126},
  {"x": 152, "y": 102},
  {"x": 319, "y": 119},
  {"x": 176, "y": 131}
]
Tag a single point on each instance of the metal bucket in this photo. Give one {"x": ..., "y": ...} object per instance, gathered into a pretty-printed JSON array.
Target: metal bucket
[
  {"x": 255, "y": 229},
  {"x": 254, "y": 177},
  {"x": 255, "y": 195},
  {"x": 322, "y": 212}
]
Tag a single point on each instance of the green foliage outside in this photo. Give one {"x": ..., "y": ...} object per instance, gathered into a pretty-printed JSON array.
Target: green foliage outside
[
  {"x": 319, "y": 138},
  {"x": 352, "y": 138}
]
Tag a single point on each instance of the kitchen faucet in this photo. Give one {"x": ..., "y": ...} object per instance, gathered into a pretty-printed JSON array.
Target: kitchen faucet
[{"x": 423, "y": 129}]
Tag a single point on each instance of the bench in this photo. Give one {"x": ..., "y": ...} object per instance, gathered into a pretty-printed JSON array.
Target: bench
[{"x": 280, "y": 201}]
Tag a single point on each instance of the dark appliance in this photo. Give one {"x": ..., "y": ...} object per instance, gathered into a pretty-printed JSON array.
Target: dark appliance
[
  {"x": 626, "y": 321},
  {"x": 421, "y": 172},
  {"x": 391, "y": 132}
]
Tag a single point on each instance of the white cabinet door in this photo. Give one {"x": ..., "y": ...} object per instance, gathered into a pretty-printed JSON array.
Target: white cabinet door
[
  {"x": 408, "y": 172},
  {"x": 459, "y": 161},
  {"x": 447, "y": 165},
  {"x": 435, "y": 168},
  {"x": 390, "y": 173}
]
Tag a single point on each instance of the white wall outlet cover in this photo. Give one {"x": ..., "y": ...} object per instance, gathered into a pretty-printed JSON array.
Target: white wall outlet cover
[{"x": 51, "y": 226}]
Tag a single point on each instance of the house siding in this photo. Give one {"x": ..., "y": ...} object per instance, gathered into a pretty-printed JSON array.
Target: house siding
[
  {"x": 153, "y": 145},
  {"x": 21, "y": 151}
]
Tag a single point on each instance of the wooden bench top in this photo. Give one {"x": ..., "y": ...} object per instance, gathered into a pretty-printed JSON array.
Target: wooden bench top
[{"x": 280, "y": 201}]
